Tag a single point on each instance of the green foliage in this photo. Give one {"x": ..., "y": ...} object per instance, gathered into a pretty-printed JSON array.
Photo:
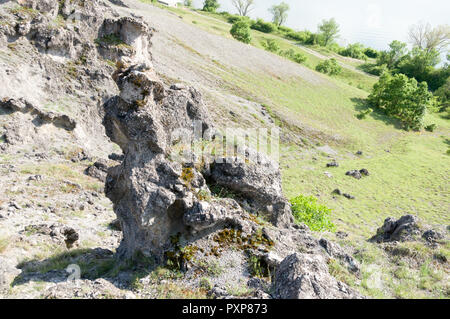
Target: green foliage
[
  {"x": 261, "y": 25},
  {"x": 279, "y": 13},
  {"x": 329, "y": 31},
  {"x": 300, "y": 36},
  {"x": 330, "y": 67},
  {"x": 233, "y": 18},
  {"x": 419, "y": 64},
  {"x": 371, "y": 53},
  {"x": 294, "y": 56},
  {"x": 188, "y": 3},
  {"x": 443, "y": 96},
  {"x": 241, "y": 31},
  {"x": 402, "y": 98},
  {"x": 316, "y": 216},
  {"x": 270, "y": 45},
  {"x": 431, "y": 127},
  {"x": 393, "y": 56},
  {"x": 374, "y": 69},
  {"x": 210, "y": 5},
  {"x": 355, "y": 51}
]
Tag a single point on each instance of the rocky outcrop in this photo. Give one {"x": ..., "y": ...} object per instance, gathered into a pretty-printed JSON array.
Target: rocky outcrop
[
  {"x": 303, "y": 276},
  {"x": 257, "y": 184},
  {"x": 404, "y": 229}
]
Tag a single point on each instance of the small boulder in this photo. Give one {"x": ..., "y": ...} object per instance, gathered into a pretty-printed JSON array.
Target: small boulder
[
  {"x": 354, "y": 173},
  {"x": 333, "y": 164},
  {"x": 348, "y": 196},
  {"x": 432, "y": 236},
  {"x": 306, "y": 276},
  {"x": 364, "y": 172}
]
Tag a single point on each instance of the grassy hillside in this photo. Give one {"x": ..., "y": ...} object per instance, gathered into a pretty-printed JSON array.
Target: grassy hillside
[{"x": 409, "y": 171}]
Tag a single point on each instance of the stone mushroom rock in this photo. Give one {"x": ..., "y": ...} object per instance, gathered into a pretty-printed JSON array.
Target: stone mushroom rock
[{"x": 305, "y": 276}]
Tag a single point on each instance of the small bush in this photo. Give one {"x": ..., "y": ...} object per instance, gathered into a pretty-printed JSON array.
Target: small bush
[
  {"x": 210, "y": 5},
  {"x": 232, "y": 18},
  {"x": 371, "y": 53},
  {"x": 314, "y": 215},
  {"x": 241, "y": 31},
  {"x": 330, "y": 67},
  {"x": 270, "y": 45},
  {"x": 294, "y": 56},
  {"x": 261, "y": 25},
  {"x": 355, "y": 51},
  {"x": 430, "y": 128},
  {"x": 374, "y": 69}
]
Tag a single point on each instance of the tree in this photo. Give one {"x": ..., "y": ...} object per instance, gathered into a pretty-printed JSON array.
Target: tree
[
  {"x": 403, "y": 98},
  {"x": 279, "y": 13},
  {"x": 427, "y": 38},
  {"x": 210, "y": 5},
  {"x": 393, "y": 56},
  {"x": 329, "y": 31},
  {"x": 419, "y": 64},
  {"x": 241, "y": 31},
  {"x": 188, "y": 3},
  {"x": 243, "y": 6}
]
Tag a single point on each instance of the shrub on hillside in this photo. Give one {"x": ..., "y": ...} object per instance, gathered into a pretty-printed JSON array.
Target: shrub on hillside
[
  {"x": 402, "y": 98},
  {"x": 355, "y": 51},
  {"x": 313, "y": 39},
  {"x": 232, "y": 18},
  {"x": 371, "y": 53},
  {"x": 374, "y": 69},
  {"x": 270, "y": 45},
  {"x": 314, "y": 215},
  {"x": 294, "y": 56},
  {"x": 300, "y": 36},
  {"x": 330, "y": 67},
  {"x": 241, "y": 31},
  {"x": 261, "y": 25},
  {"x": 210, "y": 5}
]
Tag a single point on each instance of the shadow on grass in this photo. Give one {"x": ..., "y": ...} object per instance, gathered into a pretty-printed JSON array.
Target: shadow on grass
[
  {"x": 94, "y": 264},
  {"x": 377, "y": 114}
]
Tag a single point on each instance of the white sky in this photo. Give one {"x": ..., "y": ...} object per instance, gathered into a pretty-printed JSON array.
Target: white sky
[{"x": 374, "y": 23}]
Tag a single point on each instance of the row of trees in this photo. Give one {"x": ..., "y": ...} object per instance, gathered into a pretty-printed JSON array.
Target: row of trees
[{"x": 409, "y": 78}]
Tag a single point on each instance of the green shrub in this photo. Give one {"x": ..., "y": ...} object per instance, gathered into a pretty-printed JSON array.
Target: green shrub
[
  {"x": 232, "y": 18},
  {"x": 431, "y": 127},
  {"x": 270, "y": 45},
  {"x": 355, "y": 51},
  {"x": 210, "y": 5},
  {"x": 330, "y": 67},
  {"x": 284, "y": 29},
  {"x": 402, "y": 98},
  {"x": 314, "y": 215},
  {"x": 294, "y": 56},
  {"x": 300, "y": 36},
  {"x": 241, "y": 31},
  {"x": 374, "y": 69},
  {"x": 371, "y": 53},
  {"x": 261, "y": 25}
]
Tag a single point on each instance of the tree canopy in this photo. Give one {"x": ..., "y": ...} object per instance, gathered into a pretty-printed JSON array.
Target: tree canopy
[
  {"x": 279, "y": 13},
  {"x": 329, "y": 31}
]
